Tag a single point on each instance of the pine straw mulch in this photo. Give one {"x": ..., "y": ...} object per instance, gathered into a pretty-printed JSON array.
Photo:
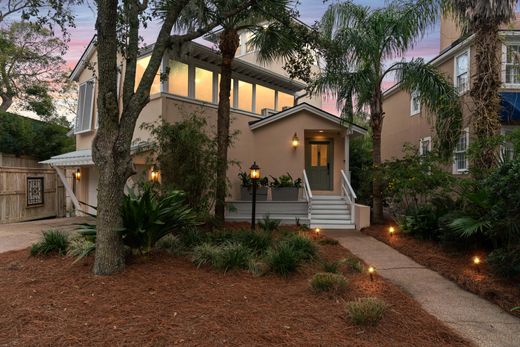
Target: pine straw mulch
[
  {"x": 161, "y": 300},
  {"x": 455, "y": 265}
]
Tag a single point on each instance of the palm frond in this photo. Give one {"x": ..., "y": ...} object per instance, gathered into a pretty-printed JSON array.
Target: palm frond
[{"x": 468, "y": 226}]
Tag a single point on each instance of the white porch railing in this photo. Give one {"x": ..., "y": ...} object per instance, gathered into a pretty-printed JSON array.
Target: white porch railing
[
  {"x": 349, "y": 194},
  {"x": 307, "y": 193}
]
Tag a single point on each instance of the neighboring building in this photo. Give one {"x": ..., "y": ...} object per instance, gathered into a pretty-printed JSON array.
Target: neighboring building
[
  {"x": 267, "y": 110},
  {"x": 406, "y": 121}
]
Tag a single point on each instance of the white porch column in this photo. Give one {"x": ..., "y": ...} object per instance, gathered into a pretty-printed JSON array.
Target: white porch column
[
  {"x": 69, "y": 190},
  {"x": 347, "y": 153}
]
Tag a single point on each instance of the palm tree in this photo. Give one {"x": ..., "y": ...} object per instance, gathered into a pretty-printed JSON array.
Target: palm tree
[
  {"x": 484, "y": 18},
  {"x": 356, "y": 44},
  {"x": 265, "y": 17}
]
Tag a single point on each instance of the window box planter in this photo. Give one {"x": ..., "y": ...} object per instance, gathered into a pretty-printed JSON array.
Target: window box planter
[
  {"x": 285, "y": 193},
  {"x": 246, "y": 193}
]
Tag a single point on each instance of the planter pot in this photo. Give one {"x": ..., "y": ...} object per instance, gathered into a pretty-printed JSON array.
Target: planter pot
[
  {"x": 285, "y": 193},
  {"x": 246, "y": 193}
]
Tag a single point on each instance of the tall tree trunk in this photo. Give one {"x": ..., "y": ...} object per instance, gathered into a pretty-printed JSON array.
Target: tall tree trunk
[
  {"x": 7, "y": 101},
  {"x": 376, "y": 122},
  {"x": 110, "y": 152},
  {"x": 228, "y": 45},
  {"x": 486, "y": 85}
]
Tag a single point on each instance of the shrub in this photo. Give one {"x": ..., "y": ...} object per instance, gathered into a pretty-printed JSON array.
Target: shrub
[
  {"x": 355, "y": 264},
  {"x": 80, "y": 247},
  {"x": 205, "y": 253},
  {"x": 327, "y": 241},
  {"x": 329, "y": 282},
  {"x": 232, "y": 255},
  {"x": 303, "y": 246},
  {"x": 52, "y": 241},
  {"x": 366, "y": 311},
  {"x": 505, "y": 263},
  {"x": 283, "y": 259},
  {"x": 258, "y": 267},
  {"x": 330, "y": 266},
  {"x": 171, "y": 244},
  {"x": 268, "y": 224},
  {"x": 257, "y": 242}
]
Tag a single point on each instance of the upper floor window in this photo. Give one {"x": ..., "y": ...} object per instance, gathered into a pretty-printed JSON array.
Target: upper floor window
[
  {"x": 284, "y": 101},
  {"x": 415, "y": 103},
  {"x": 85, "y": 107},
  {"x": 203, "y": 85},
  {"x": 245, "y": 47},
  {"x": 512, "y": 64},
  {"x": 178, "y": 79},
  {"x": 265, "y": 98},
  {"x": 460, "y": 162},
  {"x": 142, "y": 64},
  {"x": 425, "y": 145},
  {"x": 462, "y": 72},
  {"x": 245, "y": 96}
]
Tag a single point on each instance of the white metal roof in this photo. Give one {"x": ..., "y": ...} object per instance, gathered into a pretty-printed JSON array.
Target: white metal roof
[{"x": 77, "y": 158}]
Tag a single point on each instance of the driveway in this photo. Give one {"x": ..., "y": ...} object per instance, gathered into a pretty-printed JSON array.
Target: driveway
[{"x": 17, "y": 236}]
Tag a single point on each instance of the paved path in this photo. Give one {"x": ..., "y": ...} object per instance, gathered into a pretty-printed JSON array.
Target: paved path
[
  {"x": 17, "y": 236},
  {"x": 471, "y": 316}
]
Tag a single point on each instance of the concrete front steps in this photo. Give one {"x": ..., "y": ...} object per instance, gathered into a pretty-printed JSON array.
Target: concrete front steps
[{"x": 330, "y": 212}]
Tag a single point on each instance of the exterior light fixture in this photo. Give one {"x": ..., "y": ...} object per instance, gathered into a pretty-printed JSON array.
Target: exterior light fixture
[
  {"x": 318, "y": 230},
  {"x": 295, "y": 141},
  {"x": 371, "y": 271},
  {"x": 391, "y": 231},
  {"x": 254, "y": 174},
  {"x": 476, "y": 261},
  {"x": 77, "y": 175},
  {"x": 154, "y": 174}
]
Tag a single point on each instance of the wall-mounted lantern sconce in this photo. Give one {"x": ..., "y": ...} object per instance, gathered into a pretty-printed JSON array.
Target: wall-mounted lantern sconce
[
  {"x": 295, "y": 141},
  {"x": 154, "y": 174},
  {"x": 77, "y": 175}
]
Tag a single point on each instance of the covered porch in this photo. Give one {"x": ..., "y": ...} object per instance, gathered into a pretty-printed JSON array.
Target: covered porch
[{"x": 313, "y": 146}]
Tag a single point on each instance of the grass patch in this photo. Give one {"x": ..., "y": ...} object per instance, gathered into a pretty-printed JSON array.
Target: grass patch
[
  {"x": 53, "y": 241},
  {"x": 171, "y": 244},
  {"x": 328, "y": 241},
  {"x": 331, "y": 266},
  {"x": 355, "y": 264},
  {"x": 227, "y": 256},
  {"x": 366, "y": 311},
  {"x": 329, "y": 282},
  {"x": 205, "y": 254},
  {"x": 283, "y": 259},
  {"x": 268, "y": 224},
  {"x": 80, "y": 247},
  {"x": 303, "y": 246}
]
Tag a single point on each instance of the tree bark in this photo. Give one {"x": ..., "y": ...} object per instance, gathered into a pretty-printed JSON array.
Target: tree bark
[
  {"x": 228, "y": 45},
  {"x": 376, "y": 122},
  {"x": 484, "y": 91},
  {"x": 7, "y": 101}
]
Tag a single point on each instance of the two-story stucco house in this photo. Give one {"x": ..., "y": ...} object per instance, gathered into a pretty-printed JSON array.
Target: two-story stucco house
[
  {"x": 268, "y": 109},
  {"x": 405, "y": 118}
]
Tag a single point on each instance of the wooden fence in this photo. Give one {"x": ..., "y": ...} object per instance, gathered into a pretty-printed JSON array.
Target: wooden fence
[{"x": 30, "y": 193}]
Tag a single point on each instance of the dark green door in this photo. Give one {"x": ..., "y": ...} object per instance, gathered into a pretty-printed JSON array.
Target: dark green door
[{"x": 319, "y": 163}]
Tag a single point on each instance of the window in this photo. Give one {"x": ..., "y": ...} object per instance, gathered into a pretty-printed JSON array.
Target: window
[
  {"x": 284, "y": 100},
  {"x": 264, "y": 98},
  {"x": 319, "y": 154},
  {"x": 460, "y": 163},
  {"x": 425, "y": 145},
  {"x": 35, "y": 191},
  {"x": 415, "y": 103},
  {"x": 178, "y": 78},
  {"x": 141, "y": 65},
  {"x": 245, "y": 47},
  {"x": 203, "y": 85},
  {"x": 512, "y": 67},
  {"x": 245, "y": 96},
  {"x": 85, "y": 107},
  {"x": 507, "y": 148},
  {"x": 462, "y": 72}
]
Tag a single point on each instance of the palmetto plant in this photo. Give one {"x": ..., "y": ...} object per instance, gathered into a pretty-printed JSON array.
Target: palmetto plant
[{"x": 357, "y": 43}]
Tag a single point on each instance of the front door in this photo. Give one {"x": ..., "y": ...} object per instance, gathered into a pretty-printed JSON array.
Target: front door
[{"x": 319, "y": 163}]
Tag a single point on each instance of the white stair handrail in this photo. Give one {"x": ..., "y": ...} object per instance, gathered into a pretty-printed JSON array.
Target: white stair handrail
[
  {"x": 347, "y": 188},
  {"x": 306, "y": 187}
]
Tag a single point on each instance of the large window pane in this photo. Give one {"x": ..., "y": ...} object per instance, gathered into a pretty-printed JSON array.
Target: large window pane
[
  {"x": 178, "y": 78},
  {"x": 245, "y": 96},
  {"x": 231, "y": 91},
  {"x": 203, "y": 85},
  {"x": 142, "y": 64},
  {"x": 264, "y": 98},
  {"x": 285, "y": 100}
]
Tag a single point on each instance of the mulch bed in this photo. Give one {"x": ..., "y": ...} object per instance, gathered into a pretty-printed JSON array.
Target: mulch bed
[
  {"x": 455, "y": 265},
  {"x": 162, "y": 300}
]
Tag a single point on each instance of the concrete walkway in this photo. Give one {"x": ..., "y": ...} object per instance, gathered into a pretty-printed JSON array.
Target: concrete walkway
[
  {"x": 471, "y": 316},
  {"x": 17, "y": 236}
]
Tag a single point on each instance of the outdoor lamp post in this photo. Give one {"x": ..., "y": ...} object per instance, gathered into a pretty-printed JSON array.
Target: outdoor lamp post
[{"x": 254, "y": 174}]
